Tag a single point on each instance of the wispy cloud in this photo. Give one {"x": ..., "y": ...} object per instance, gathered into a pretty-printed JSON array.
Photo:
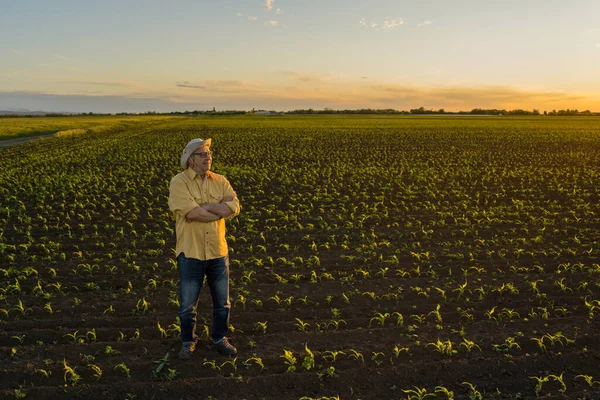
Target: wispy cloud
[
  {"x": 188, "y": 85},
  {"x": 60, "y": 57},
  {"x": 222, "y": 86},
  {"x": 111, "y": 83},
  {"x": 269, "y": 4},
  {"x": 272, "y": 23},
  {"x": 308, "y": 77},
  {"x": 336, "y": 95},
  {"x": 232, "y": 86},
  {"x": 249, "y": 17},
  {"x": 299, "y": 89},
  {"x": 471, "y": 96},
  {"x": 385, "y": 25},
  {"x": 424, "y": 24},
  {"x": 392, "y": 23}
]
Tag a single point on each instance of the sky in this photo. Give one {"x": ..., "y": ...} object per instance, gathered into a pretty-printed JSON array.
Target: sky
[{"x": 177, "y": 55}]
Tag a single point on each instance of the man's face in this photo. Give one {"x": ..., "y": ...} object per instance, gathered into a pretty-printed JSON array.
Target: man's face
[{"x": 201, "y": 159}]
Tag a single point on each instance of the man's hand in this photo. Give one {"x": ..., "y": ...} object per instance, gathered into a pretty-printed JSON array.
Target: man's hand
[
  {"x": 201, "y": 214},
  {"x": 220, "y": 209}
]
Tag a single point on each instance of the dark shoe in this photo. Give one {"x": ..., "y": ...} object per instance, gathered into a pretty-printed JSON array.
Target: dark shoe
[
  {"x": 187, "y": 348},
  {"x": 224, "y": 347}
]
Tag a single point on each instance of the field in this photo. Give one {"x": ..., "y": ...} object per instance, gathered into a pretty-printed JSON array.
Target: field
[
  {"x": 14, "y": 128},
  {"x": 374, "y": 258}
]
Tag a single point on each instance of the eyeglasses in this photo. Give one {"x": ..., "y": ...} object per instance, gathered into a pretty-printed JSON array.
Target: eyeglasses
[{"x": 203, "y": 154}]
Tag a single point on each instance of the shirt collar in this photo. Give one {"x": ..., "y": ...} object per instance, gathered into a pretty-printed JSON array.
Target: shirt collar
[{"x": 192, "y": 174}]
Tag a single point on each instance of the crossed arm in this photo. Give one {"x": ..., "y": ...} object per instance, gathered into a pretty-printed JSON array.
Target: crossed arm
[
  {"x": 182, "y": 202},
  {"x": 209, "y": 212}
]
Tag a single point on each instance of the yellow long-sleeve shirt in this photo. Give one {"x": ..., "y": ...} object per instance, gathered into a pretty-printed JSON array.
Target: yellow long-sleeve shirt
[{"x": 188, "y": 190}]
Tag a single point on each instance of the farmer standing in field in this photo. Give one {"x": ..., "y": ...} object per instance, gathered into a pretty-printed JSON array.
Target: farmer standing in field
[{"x": 200, "y": 201}]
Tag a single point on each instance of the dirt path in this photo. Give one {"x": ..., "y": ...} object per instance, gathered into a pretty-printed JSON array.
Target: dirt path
[{"x": 18, "y": 141}]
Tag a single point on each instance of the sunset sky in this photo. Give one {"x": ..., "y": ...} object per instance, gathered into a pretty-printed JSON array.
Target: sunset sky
[{"x": 151, "y": 55}]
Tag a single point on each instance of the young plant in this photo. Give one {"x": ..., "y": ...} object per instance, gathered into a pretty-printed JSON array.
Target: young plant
[
  {"x": 328, "y": 372},
  {"x": 380, "y": 318},
  {"x": 336, "y": 324},
  {"x": 356, "y": 355},
  {"x": 90, "y": 336},
  {"x": 469, "y": 345},
  {"x": 170, "y": 374},
  {"x": 540, "y": 382},
  {"x": 213, "y": 365},
  {"x": 505, "y": 347},
  {"x": 309, "y": 359},
  {"x": 559, "y": 379},
  {"x": 462, "y": 289},
  {"x": 233, "y": 363},
  {"x": 142, "y": 306},
  {"x": 163, "y": 332},
  {"x": 256, "y": 360},
  {"x": 110, "y": 309},
  {"x": 241, "y": 299},
  {"x": 19, "y": 338},
  {"x": 397, "y": 350},
  {"x": 303, "y": 326},
  {"x": 540, "y": 343},
  {"x": 443, "y": 347},
  {"x": 289, "y": 360},
  {"x": 417, "y": 393},
  {"x": 70, "y": 375},
  {"x": 437, "y": 314},
  {"x": 399, "y": 318},
  {"x": 125, "y": 369},
  {"x": 77, "y": 339},
  {"x": 97, "y": 370},
  {"x": 21, "y": 309},
  {"x": 333, "y": 354},
  {"x": 109, "y": 351},
  {"x": 45, "y": 373},
  {"x": 48, "y": 307},
  {"x": 162, "y": 363},
  {"x": 589, "y": 380},
  {"x": 474, "y": 394},
  {"x": 375, "y": 357},
  {"x": 449, "y": 394},
  {"x": 261, "y": 326}
]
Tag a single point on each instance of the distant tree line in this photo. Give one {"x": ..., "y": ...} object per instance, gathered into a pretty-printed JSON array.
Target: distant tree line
[
  {"x": 414, "y": 111},
  {"x": 194, "y": 112},
  {"x": 358, "y": 111},
  {"x": 424, "y": 111}
]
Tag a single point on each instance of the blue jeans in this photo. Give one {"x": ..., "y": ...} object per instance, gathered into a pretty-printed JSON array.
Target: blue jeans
[{"x": 191, "y": 277}]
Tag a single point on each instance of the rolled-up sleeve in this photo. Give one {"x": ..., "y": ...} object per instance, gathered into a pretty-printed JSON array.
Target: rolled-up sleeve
[
  {"x": 180, "y": 200},
  {"x": 234, "y": 205}
]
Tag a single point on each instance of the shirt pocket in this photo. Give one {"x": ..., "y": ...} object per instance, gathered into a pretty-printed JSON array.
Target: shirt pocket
[{"x": 215, "y": 198}]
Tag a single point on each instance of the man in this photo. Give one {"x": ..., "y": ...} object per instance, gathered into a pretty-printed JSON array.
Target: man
[{"x": 200, "y": 201}]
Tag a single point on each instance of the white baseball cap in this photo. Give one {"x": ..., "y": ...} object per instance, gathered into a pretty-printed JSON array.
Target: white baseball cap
[{"x": 191, "y": 147}]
